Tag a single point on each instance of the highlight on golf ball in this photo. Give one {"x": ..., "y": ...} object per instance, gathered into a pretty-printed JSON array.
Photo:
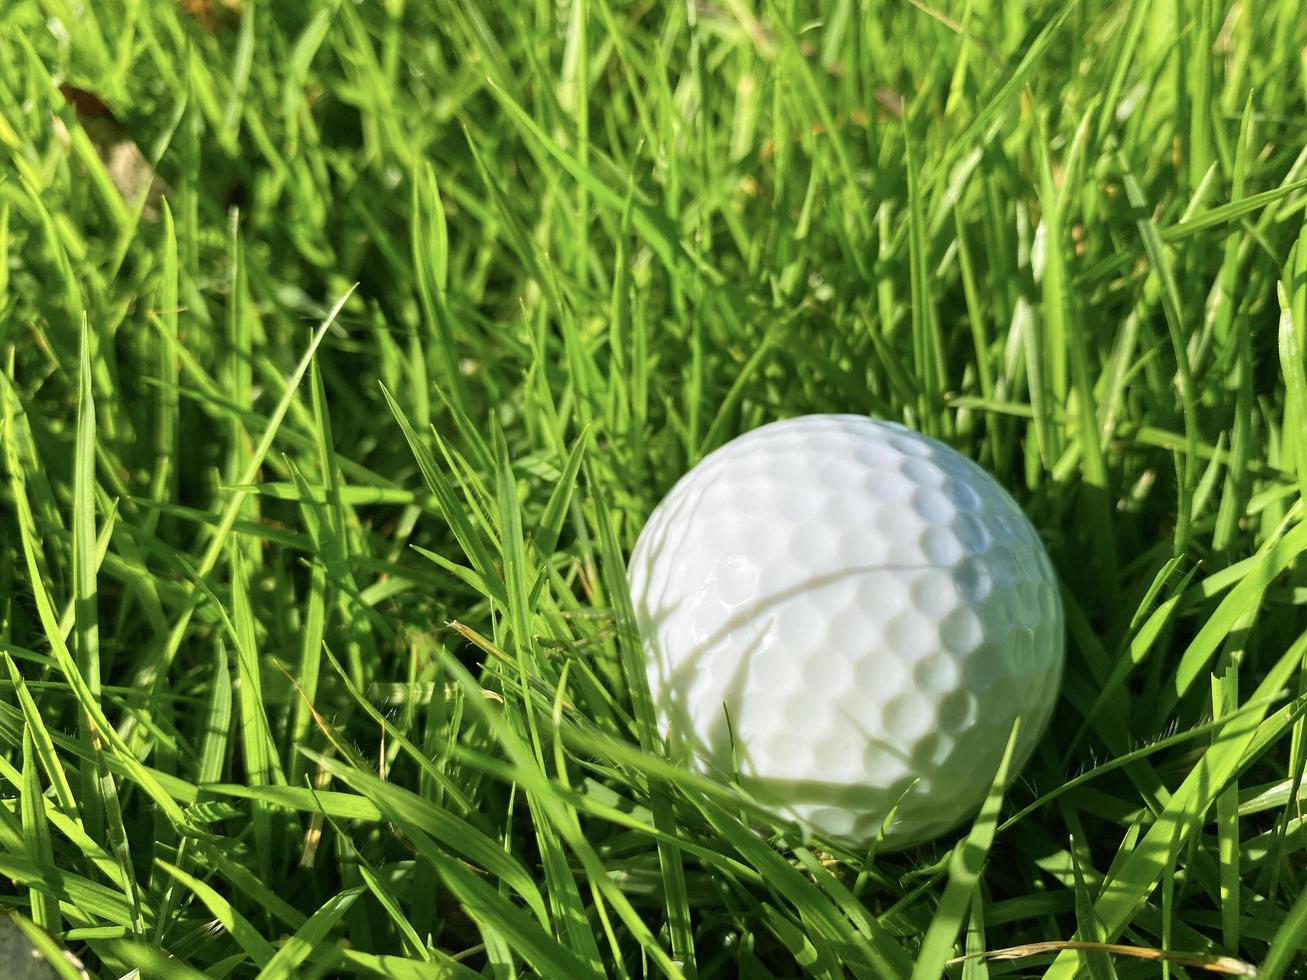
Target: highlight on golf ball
[{"x": 849, "y": 616}]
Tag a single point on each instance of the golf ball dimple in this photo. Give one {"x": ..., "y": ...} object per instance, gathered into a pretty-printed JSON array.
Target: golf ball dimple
[{"x": 848, "y": 616}]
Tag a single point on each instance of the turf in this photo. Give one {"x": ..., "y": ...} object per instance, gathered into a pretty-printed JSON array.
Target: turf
[{"x": 322, "y": 456}]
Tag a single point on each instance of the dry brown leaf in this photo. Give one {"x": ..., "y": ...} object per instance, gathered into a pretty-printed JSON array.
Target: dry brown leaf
[
  {"x": 212, "y": 15},
  {"x": 128, "y": 169},
  {"x": 86, "y": 104}
]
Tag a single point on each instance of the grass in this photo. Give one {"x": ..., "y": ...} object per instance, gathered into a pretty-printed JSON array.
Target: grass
[{"x": 320, "y": 461}]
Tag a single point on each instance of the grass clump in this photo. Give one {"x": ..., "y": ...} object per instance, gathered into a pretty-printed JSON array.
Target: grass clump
[{"x": 346, "y": 347}]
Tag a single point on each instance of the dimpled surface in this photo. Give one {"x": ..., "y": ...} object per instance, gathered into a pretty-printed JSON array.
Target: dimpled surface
[{"x": 870, "y": 610}]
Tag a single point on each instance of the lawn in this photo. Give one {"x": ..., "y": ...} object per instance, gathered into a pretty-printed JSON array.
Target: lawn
[{"x": 346, "y": 346}]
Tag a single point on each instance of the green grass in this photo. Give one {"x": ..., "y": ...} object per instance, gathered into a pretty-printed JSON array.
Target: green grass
[{"x": 318, "y": 468}]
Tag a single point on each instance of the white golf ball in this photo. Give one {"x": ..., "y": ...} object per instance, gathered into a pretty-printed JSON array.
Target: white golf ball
[{"x": 848, "y": 616}]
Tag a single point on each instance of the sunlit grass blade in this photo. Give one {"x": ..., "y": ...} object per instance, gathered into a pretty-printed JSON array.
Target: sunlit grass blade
[
  {"x": 1142, "y": 870},
  {"x": 1295, "y": 379},
  {"x": 417, "y": 817},
  {"x": 87, "y": 897},
  {"x": 309, "y": 938},
  {"x": 964, "y": 872},
  {"x": 86, "y": 615},
  {"x": 36, "y": 838},
  {"x": 162, "y": 657},
  {"x": 464, "y": 531},
  {"x": 1288, "y": 942},
  {"x": 998, "y": 101},
  {"x": 258, "y": 949},
  {"x": 261, "y": 766},
  {"x": 441, "y": 825}
]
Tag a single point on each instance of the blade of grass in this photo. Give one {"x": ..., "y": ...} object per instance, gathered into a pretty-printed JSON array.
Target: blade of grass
[
  {"x": 964, "y": 871},
  {"x": 310, "y": 937},
  {"x": 158, "y": 662}
]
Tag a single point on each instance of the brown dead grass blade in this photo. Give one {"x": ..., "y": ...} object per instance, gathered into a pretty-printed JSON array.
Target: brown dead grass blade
[
  {"x": 1227, "y": 965},
  {"x": 212, "y": 15}
]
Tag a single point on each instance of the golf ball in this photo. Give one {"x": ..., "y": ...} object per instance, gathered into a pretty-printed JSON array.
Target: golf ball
[{"x": 847, "y": 616}]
